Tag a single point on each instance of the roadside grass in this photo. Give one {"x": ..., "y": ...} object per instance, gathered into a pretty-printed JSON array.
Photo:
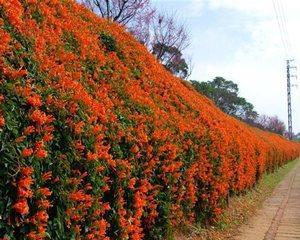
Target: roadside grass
[{"x": 239, "y": 210}]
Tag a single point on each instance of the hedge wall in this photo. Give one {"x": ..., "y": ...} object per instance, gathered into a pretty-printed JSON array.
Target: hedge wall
[{"x": 99, "y": 141}]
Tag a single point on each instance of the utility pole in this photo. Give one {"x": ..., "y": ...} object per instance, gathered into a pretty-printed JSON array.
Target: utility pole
[{"x": 289, "y": 97}]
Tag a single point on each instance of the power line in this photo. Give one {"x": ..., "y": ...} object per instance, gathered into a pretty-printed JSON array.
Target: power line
[
  {"x": 282, "y": 13},
  {"x": 285, "y": 38},
  {"x": 280, "y": 17}
]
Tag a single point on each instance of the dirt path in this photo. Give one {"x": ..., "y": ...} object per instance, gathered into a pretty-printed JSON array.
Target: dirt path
[{"x": 279, "y": 217}]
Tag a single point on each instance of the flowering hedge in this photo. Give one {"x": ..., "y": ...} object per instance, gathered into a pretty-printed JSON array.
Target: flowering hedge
[{"x": 98, "y": 141}]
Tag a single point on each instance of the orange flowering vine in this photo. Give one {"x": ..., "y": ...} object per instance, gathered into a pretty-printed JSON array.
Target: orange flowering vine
[
  {"x": 116, "y": 147},
  {"x": 24, "y": 191}
]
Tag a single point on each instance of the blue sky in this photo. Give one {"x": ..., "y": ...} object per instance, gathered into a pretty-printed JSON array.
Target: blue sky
[{"x": 240, "y": 40}]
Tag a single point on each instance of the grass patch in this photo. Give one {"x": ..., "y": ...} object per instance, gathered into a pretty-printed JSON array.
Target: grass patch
[{"x": 240, "y": 209}]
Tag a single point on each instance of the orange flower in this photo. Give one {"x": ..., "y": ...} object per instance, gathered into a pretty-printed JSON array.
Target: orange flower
[
  {"x": 44, "y": 204},
  {"x": 18, "y": 73},
  {"x": 34, "y": 100},
  {"x": 218, "y": 211},
  {"x": 101, "y": 169},
  {"x": 26, "y": 171},
  {"x": 25, "y": 182},
  {"x": 41, "y": 153},
  {"x": 39, "y": 117},
  {"x": 78, "y": 127},
  {"x": 27, "y": 152},
  {"x": 79, "y": 146},
  {"x": 91, "y": 156},
  {"x": 131, "y": 183},
  {"x": 29, "y": 130},
  {"x": 80, "y": 196},
  {"x": 4, "y": 44},
  {"x": 47, "y": 137},
  {"x": 2, "y": 122},
  {"x": 32, "y": 1},
  {"x": 21, "y": 206},
  {"x": 33, "y": 235},
  {"x": 47, "y": 176},
  {"x": 134, "y": 149},
  {"x": 25, "y": 192},
  {"x": 41, "y": 216},
  {"x": 102, "y": 226},
  {"x": 44, "y": 192}
]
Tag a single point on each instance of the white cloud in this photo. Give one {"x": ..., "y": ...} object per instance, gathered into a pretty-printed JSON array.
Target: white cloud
[
  {"x": 258, "y": 66},
  {"x": 256, "y": 60},
  {"x": 253, "y": 6},
  {"x": 194, "y": 7}
]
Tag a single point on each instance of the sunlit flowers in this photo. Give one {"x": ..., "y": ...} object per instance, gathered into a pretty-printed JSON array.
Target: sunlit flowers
[{"x": 90, "y": 152}]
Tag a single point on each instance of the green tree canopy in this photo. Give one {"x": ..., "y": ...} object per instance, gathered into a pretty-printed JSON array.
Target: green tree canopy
[
  {"x": 171, "y": 58},
  {"x": 225, "y": 94}
]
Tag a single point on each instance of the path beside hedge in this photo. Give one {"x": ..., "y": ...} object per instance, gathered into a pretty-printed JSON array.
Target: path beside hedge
[{"x": 279, "y": 218}]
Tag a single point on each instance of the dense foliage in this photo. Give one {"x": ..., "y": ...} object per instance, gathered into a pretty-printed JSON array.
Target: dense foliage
[
  {"x": 172, "y": 59},
  {"x": 99, "y": 141},
  {"x": 225, "y": 95},
  {"x": 160, "y": 32},
  {"x": 272, "y": 124}
]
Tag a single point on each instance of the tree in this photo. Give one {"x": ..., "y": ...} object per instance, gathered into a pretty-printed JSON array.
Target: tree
[
  {"x": 167, "y": 42},
  {"x": 297, "y": 137},
  {"x": 272, "y": 124},
  {"x": 246, "y": 111},
  {"x": 225, "y": 94},
  {"x": 161, "y": 33},
  {"x": 121, "y": 11},
  {"x": 172, "y": 60},
  {"x": 135, "y": 15}
]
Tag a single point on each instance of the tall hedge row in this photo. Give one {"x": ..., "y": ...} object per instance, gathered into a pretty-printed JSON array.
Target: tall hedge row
[{"x": 99, "y": 141}]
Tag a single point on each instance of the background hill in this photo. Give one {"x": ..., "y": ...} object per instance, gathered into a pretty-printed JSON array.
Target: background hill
[{"x": 99, "y": 141}]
